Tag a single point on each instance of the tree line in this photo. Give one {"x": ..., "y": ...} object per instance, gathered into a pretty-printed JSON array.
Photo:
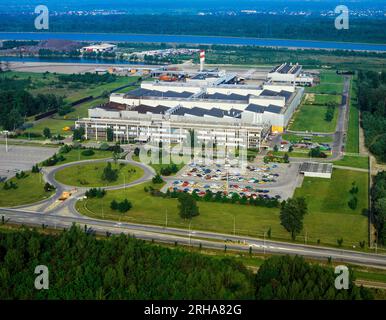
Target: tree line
[
  {"x": 262, "y": 26},
  {"x": 16, "y": 102},
  {"x": 121, "y": 267},
  {"x": 88, "y": 78},
  {"x": 378, "y": 195},
  {"x": 372, "y": 102}
]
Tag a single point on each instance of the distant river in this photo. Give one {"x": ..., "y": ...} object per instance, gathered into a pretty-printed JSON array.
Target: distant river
[{"x": 115, "y": 37}]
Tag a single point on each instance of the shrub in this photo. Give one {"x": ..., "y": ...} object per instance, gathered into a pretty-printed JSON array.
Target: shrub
[
  {"x": 157, "y": 179},
  {"x": 88, "y": 152}
]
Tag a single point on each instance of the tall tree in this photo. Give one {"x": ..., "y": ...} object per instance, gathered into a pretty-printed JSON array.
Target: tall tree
[
  {"x": 187, "y": 206},
  {"x": 292, "y": 213}
]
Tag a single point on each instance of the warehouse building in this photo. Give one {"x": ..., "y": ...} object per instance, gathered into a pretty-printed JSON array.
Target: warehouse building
[
  {"x": 316, "y": 170},
  {"x": 289, "y": 73},
  {"x": 99, "y": 48},
  {"x": 213, "y": 107}
]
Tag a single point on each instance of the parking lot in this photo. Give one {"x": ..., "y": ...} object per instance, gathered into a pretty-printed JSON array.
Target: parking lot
[
  {"x": 257, "y": 180},
  {"x": 21, "y": 158}
]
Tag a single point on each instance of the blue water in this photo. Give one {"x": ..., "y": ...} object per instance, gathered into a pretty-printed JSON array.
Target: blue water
[{"x": 113, "y": 37}]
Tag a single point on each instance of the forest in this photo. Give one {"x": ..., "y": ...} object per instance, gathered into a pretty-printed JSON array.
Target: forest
[
  {"x": 121, "y": 267},
  {"x": 263, "y": 26},
  {"x": 89, "y": 78},
  {"x": 378, "y": 197},
  {"x": 16, "y": 102},
  {"x": 372, "y": 102}
]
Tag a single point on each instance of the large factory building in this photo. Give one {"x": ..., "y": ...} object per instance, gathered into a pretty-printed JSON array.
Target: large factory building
[{"x": 212, "y": 105}]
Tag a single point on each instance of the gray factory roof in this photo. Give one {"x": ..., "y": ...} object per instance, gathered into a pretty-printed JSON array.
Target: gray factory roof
[
  {"x": 234, "y": 113},
  {"x": 273, "y": 109},
  {"x": 221, "y": 96},
  {"x": 269, "y": 93},
  {"x": 200, "y": 112},
  {"x": 154, "y": 93},
  {"x": 286, "y": 68},
  {"x": 255, "y": 108},
  {"x": 316, "y": 167},
  {"x": 145, "y": 109},
  {"x": 261, "y": 109}
]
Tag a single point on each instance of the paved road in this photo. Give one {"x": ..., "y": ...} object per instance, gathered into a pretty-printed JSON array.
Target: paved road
[{"x": 194, "y": 238}]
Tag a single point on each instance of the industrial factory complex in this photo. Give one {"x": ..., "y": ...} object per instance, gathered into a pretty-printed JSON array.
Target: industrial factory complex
[{"x": 212, "y": 103}]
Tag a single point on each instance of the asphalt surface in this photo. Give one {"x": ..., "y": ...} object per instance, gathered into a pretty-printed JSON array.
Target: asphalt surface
[{"x": 208, "y": 240}]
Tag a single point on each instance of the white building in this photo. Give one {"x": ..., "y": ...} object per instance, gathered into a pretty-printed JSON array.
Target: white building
[
  {"x": 230, "y": 114},
  {"x": 99, "y": 48},
  {"x": 316, "y": 170},
  {"x": 289, "y": 73}
]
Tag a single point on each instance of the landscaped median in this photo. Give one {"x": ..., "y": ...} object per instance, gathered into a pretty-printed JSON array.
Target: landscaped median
[
  {"x": 329, "y": 217},
  {"x": 94, "y": 174},
  {"x": 26, "y": 190}
]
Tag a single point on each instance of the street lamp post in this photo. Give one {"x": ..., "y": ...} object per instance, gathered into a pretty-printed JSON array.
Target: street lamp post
[
  {"x": 5, "y": 132},
  {"x": 264, "y": 244},
  {"x": 190, "y": 234}
]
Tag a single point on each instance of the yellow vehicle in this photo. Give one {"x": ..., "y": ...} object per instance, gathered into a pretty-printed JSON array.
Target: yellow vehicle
[{"x": 65, "y": 195}]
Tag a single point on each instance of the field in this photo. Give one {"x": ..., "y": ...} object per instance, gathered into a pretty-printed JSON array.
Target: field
[
  {"x": 48, "y": 83},
  {"x": 314, "y": 139},
  {"x": 361, "y": 162},
  {"x": 330, "y": 83},
  {"x": 311, "y": 118},
  {"x": 352, "y": 144},
  {"x": 90, "y": 175},
  {"x": 29, "y": 190},
  {"x": 76, "y": 155},
  {"x": 330, "y": 214},
  {"x": 323, "y": 222},
  {"x": 56, "y": 126},
  {"x": 323, "y": 99}
]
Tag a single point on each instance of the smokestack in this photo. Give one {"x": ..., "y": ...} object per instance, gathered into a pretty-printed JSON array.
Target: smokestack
[{"x": 202, "y": 60}]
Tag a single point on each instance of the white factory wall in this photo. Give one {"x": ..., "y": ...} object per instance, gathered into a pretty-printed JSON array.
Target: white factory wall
[
  {"x": 170, "y": 87},
  {"x": 282, "y": 77},
  {"x": 278, "y": 88},
  {"x": 266, "y": 101},
  {"x": 318, "y": 175}
]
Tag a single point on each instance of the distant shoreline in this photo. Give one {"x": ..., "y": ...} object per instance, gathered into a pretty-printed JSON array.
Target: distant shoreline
[{"x": 196, "y": 40}]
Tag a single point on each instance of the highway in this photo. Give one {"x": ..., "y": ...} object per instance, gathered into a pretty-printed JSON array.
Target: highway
[{"x": 209, "y": 240}]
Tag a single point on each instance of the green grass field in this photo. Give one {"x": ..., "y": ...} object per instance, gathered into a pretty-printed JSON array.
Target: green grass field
[
  {"x": 30, "y": 190},
  {"x": 295, "y": 138},
  {"x": 312, "y": 119},
  {"x": 90, "y": 175},
  {"x": 330, "y": 83},
  {"x": 323, "y": 99},
  {"x": 49, "y": 83},
  {"x": 354, "y": 162},
  {"x": 58, "y": 123},
  {"x": 81, "y": 111},
  {"x": 76, "y": 155},
  {"x": 329, "y": 216},
  {"x": 55, "y": 125},
  {"x": 352, "y": 144}
]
